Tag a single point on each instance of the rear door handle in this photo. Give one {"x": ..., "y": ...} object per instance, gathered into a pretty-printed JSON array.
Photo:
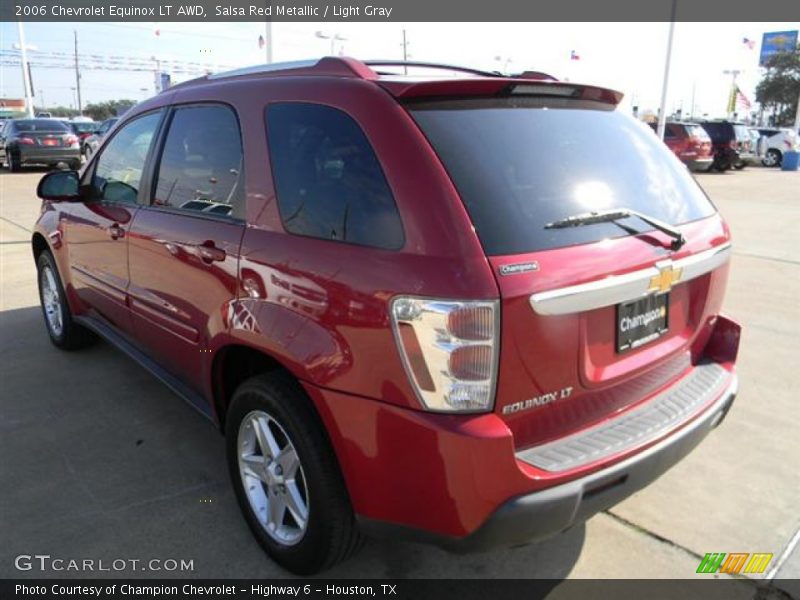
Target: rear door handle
[
  {"x": 116, "y": 232},
  {"x": 210, "y": 253}
]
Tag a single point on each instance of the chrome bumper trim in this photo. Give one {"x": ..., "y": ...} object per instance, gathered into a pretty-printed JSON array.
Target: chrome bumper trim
[
  {"x": 664, "y": 412},
  {"x": 624, "y": 288}
]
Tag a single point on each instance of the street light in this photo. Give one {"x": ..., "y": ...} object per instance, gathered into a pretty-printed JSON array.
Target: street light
[
  {"x": 506, "y": 62},
  {"x": 333, "y": 37}
]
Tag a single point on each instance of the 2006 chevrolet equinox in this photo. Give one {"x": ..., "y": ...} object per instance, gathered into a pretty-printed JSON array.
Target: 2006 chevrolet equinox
[{"x": 466, "y": 308}]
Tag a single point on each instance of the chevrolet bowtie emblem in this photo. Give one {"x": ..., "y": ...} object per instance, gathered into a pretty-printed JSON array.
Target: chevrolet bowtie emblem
[{"x": 666, "y": 278}]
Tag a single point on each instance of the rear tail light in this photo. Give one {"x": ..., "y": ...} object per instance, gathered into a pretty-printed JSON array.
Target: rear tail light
[
  {"x": 27, "y": 141},
  {"x": 72, "y": 140},
  {"x": 449, "y": 350}
]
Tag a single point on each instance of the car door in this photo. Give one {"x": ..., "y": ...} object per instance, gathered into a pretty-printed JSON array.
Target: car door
[
  {"x": 184, "y": 246},
  {"x": 96, "y": 231}
]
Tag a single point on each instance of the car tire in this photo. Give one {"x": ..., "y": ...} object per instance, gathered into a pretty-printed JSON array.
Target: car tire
[
  {"x": 740, "y": 165},
  {"x": 772, "y": 158},
  {"x": 273, "y": 410},
  {"x": 14, "y": 164},
  {"x": 75, "y": 165},
  {"x": 64, "y": 332}
]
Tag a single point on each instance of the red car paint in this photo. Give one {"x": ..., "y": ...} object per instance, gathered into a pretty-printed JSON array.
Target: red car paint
[{"x": 188, "y": 290}]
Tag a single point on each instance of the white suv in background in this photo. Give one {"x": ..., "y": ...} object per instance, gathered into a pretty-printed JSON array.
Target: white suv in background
[{"x": 773, "y": 143}]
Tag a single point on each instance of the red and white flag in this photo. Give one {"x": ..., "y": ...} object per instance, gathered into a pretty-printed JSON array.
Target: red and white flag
[
  {"x": 574, "y": 55},
  {"x": 749, "y": 43},
  {"x": 742, "y": 100}
]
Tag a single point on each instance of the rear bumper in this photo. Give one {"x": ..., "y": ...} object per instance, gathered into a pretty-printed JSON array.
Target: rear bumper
[
  {"x": 48, "y": 155},
  {"x": 543, "y": 514},
  {"x": 699, "y": 164},
  {"x": 460, "y": 481}
]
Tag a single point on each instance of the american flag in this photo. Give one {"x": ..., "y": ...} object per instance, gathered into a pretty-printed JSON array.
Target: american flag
[
  {"x": 742, "y": 100},
  {"x": 749, "y": 43},
  {"x": 574, "y": 55}
]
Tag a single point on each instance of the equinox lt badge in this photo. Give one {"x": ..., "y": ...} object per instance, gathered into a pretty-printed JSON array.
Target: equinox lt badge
[{"x": 537, "y": 401}]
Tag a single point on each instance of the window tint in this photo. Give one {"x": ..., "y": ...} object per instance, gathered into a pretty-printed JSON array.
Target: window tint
[
  {"x": 31, "y": 125},
  {"x": 327, "y": 178},
  {"x": 119, "y": 168},
  {"x": 521, "y": 164},
  {"x": 201, "y": 161}
]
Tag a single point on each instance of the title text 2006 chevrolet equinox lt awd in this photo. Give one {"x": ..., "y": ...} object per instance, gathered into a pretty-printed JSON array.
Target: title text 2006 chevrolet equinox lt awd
[{"x": 473, "y": 309}]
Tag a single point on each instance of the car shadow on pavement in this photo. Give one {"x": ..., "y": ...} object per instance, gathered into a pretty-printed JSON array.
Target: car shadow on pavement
[{"x": 100, "y": 460}]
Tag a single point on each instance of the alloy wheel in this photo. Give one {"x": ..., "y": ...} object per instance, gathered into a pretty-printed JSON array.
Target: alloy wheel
[
  {"x": 51, "y": 301},
  {"x": 273, "y": 478}
]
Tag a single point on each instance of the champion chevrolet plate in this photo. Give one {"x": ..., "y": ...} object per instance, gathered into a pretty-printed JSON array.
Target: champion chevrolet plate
[{"x": 642, "y": 321}]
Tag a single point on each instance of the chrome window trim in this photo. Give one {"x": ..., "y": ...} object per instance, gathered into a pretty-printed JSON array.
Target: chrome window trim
[{"x": 624, "y": 288}]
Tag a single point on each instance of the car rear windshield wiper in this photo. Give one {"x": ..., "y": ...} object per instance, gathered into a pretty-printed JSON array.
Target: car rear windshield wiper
[{"x": 615, "y": 214}]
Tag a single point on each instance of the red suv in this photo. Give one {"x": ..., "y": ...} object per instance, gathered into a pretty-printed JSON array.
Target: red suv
[
  {"x": 690, "y": 143},
  {"x": 471, "y": 310}
]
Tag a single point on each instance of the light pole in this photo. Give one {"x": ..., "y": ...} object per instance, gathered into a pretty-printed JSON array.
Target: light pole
[
  {"x": 23, "y": 48},
  {"x": 662, "y": 113},
  {"x": 333, "y": 37},
  {"x": 506, "y": 62},
  {"x": 41, "y": 99}
]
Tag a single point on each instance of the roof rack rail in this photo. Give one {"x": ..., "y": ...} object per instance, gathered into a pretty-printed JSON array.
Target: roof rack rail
[
  {"x": 327, "y": 65},
  {"x": 266, "y": 68},
  {"x": 429, "y": 65}
]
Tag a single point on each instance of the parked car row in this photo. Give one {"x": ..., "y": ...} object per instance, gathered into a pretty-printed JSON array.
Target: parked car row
[{"x": 722, "y": 145}]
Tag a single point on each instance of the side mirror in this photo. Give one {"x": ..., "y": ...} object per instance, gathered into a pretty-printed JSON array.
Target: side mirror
[{"x": 59, "y": 186}]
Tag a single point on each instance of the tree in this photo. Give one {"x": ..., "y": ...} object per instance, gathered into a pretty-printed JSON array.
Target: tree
[
  {"x": 779, "y": 88},
  {"x": 101, "y": 111},
  {"x": 58, "y": 111}
]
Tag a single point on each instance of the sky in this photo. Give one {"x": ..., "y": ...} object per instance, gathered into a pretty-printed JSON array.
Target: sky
[{"x": 625, "y": 56}]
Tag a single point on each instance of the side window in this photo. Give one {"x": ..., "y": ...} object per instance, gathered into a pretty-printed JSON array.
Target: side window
[
  {"x": 118, "y": 170},
  {"x": 201, "y": 162},
  {"x": 328, "y": 180}
]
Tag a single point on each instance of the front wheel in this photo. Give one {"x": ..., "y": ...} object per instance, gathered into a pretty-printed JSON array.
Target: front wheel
[
  {"x": 286, "y": 476},
  {"x": 14, "y": 163},
  {"x": 772, "y": 158},
  {"x": 64, "y": 332}
]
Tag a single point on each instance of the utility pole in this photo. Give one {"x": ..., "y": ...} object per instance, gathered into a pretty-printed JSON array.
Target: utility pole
[
  {"x": 662, "y": 113},
  {"x": 77, "y": 72},
  {"x": 23, "y": 48},
  {"x": 405, "y": 52}
]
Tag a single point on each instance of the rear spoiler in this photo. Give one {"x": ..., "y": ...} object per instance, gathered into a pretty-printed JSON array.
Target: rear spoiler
[{"x": 495, "y": 87}]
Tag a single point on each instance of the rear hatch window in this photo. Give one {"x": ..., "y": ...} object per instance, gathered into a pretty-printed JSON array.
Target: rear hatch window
[
  {"x": 521, "y": 163},
  {"x": 698, "y": 132}
]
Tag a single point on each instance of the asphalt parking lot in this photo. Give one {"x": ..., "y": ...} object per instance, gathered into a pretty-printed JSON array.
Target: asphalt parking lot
[{"x": 100, "y": 460}]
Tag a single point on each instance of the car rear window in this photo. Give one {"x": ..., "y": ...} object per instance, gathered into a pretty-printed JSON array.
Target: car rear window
[
  {"x": 697, "y": 131},
  {"x": 519, "y": 164},
  {"x": 31, "y": 125}
]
